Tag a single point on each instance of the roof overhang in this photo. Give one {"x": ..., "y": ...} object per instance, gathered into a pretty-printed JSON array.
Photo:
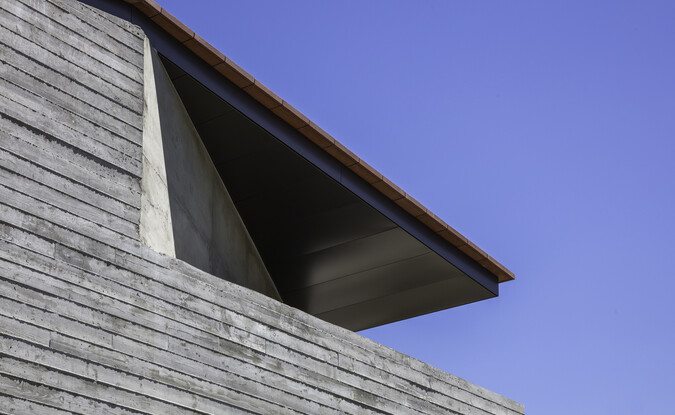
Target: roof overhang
[{"x": 340, "y": 241}]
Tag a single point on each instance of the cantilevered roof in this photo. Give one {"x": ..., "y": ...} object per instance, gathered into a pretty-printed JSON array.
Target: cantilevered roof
[{"x": 340, "y": 240}]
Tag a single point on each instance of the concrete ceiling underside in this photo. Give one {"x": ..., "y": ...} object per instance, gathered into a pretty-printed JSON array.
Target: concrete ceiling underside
[{"x": 329, "y": 252}]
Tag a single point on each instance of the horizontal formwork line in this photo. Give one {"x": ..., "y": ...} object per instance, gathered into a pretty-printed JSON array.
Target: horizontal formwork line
[
  {"x": 74, "y": 135},
  {"x": 52, "y": 23},
  {"x": 52, "y": 398},
  {"x": 98, "y": 294},
  {"x": 95, "y": 100},
  {"x": 89, "y": 282},
  {"x": 162, "y": 294},
  {"x": 38, "y": 131},
  {"x": 21, "y": 218},
  {"x": 12, "y": 406},
  {"x": 97, "y": 18},
  {"x": 130, "y": 364},
  {"x": 79, "y": 164},
  {"x": 173, "y": 358},
  {"x": 26, "y": 222},
  {"x": 44, "y": 38},
  {"x": 44, "y": 194},
  {"x": 69, "y": 21},
  {"x": 211, "y": 387},
  {"x": 82, "y": 191},
  {"x": 62, "y": 65},
  {"x": 401, "y": 378},
  {"x": 384, "y": 385},
  {"x": 148, "y": 293},
  {"x": 272, "y": 325},
  {"x": 188, "y": 350},
  {"x": 95, "y": 375},
  {"x": 74, "y": 385},
  {"x": 83, "y": 345},
  {"x": 189, "y": 340}
]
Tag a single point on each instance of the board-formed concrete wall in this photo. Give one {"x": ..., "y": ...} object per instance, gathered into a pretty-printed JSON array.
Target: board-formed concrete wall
[{"x": 92, "y": 320}]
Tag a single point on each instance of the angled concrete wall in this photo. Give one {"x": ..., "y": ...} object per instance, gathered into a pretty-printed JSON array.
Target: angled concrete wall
[
  {"x": 156, "y": 228},
  {"x": 186, "y": 211},
  {"x": 94, "y": 321}
]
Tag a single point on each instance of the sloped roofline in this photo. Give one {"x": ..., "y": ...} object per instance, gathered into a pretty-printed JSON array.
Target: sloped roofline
[{"x": 242, "y": 79}]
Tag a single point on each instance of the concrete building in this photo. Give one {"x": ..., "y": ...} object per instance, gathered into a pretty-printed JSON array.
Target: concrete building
[{"x": 177, "y": 239}]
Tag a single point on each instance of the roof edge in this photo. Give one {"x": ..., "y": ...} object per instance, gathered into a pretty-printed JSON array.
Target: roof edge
[{"x": 298, "y": 121}]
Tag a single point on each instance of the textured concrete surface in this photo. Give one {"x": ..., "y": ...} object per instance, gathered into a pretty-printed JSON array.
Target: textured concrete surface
[
  {"x": 156, "y": 229},
  {"x": 92, "y": 320}
]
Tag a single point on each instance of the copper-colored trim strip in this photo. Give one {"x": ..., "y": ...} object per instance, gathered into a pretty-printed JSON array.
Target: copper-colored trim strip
[
  {"x": 342, "y": 154},
  {"x": 316, "y": 135},
  {"x": 366, "y": 172},
  {"x": 263, "y": 95},
  {"x": 306, "y": 127},
  {"x": 292, "y": 116},
  {"x": 173, "y": 26}
]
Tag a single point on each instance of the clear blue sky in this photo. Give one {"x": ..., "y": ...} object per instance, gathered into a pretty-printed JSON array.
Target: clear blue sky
[{"x": 544, "y": 132}]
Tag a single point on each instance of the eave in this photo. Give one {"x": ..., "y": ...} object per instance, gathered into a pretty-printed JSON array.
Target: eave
[{"x": 208, "y": 68}]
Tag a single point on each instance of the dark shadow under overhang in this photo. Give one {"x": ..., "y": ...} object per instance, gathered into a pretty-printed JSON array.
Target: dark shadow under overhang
[
  {"x": 334, "y": 250},
  {"x": 335, "y": 246}
]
